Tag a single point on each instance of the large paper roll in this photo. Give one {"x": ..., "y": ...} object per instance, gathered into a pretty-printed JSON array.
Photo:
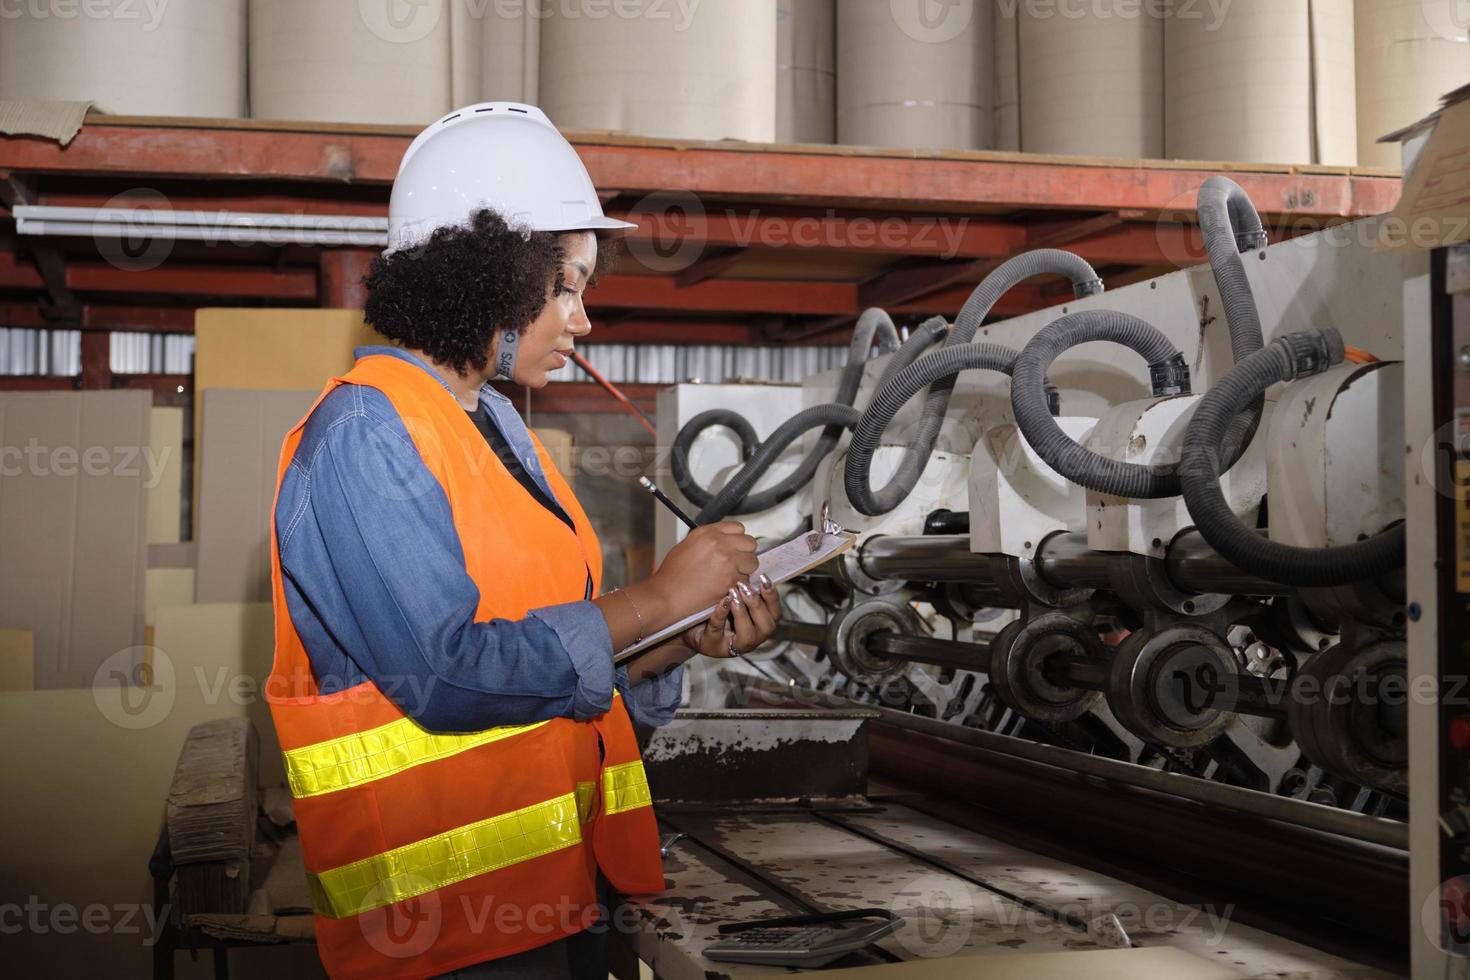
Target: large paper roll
[
  {"x": 658, "y": 68},
  {"x": 1006, "y": 79},
  {"x": 1410, "y": 52},
  {"x": 1091, "y": 80},
  {"x": 351, "y": 61},
  {"x": 181, "y": 58},
  {"x": 1240, "y": 87},
  {"x": 1334, "y": 84},
  {"x": 806, "y": 71},
  {"x": 509, "y": 49},
  {"x": 914, "y": 73}
]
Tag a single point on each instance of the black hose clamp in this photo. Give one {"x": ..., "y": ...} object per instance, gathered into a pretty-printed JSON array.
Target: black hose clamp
[
  {"x": 1170, "y": 377},
  {"x": 1053, "y": 399},
  {"x": 1311, "y": 351},
  {"x": 1251, "y": 241},
  {"x": 1090, "y": 287}
]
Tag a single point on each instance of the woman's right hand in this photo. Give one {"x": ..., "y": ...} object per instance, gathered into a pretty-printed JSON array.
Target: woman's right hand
[{"x": 702, "y": 568}]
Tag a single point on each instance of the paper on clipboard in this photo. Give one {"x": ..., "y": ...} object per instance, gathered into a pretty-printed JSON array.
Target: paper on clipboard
[{"x": 780, "y": 564}]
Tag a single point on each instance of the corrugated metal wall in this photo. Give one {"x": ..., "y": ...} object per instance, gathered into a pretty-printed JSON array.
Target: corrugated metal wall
[
  {"x": 710, "y": 363},
  {"x": 56, "y": 352},
  {"x": 152, "y": 353}
]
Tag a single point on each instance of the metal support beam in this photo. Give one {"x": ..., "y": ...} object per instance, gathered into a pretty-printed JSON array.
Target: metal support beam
[
  {"x": 962, "y": 182},
  {"x": 96, "y": 360},
  {"x": 342, "y": 274},
  {"x": 715, "y": 263}
]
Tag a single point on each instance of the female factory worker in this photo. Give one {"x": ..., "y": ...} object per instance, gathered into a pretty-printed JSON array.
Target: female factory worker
[{"x": 456, "y": 736}]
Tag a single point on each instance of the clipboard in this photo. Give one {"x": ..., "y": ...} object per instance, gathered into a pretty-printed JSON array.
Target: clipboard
[{"x": 781, "y": 563}]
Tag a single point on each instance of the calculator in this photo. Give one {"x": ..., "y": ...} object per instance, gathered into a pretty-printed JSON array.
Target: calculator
[{"x": 802, "y": 940}]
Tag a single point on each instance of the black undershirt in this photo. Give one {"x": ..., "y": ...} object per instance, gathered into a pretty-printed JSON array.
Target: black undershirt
[{"x": 512, "y": 462}]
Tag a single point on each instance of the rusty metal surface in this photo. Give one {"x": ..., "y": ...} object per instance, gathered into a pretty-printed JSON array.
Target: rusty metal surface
[
  {"x": 1149, "y": 919},
  {"x": 676, "y": 926},
  {"x": 826, "y": 868},
  {"x": 980, "y": 897},
  {"x": 745, "y": 755}
]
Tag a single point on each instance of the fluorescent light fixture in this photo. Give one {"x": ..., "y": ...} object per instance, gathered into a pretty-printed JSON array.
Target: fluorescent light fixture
[{"x": 217, "y": 227}]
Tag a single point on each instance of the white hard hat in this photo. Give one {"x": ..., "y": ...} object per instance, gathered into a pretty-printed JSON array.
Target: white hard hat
[{"x": 501, "y": 155}]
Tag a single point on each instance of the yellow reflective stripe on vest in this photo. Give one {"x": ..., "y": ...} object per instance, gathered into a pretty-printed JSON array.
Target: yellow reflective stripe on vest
[
  {"x": 446, "y": 858},
  {"x": 625, "y": 787},
  {"x": 585, "y": 789},
  {"x": 353, "y": 760}
]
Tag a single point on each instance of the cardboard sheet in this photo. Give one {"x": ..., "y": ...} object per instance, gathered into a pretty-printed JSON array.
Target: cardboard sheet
[
  {"x": 1435, "y": 207},
  {"x": 59, "y": 121},
  {"x": 243, "y": 432},
  {"x": 655, "y": 70},
  {"x": 222, "y": 653},
  {"x": 1091, "y": 85},
  {"x": 110, "y": 754},
  {"x": 806, "y": 71},
  {"x": 165, "y": 490},
  {"x": 271, "y": 350},
  {"x": 17, "y": 660},
  {"x": 154, "y": 59},
  {"x": 167, "y": 587},
  {"x": 73, "y": 519},
  {"x": 906, "y": 81}
]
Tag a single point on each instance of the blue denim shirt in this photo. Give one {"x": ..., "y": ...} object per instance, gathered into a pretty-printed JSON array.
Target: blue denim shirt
[{"x": 376, "y": 585}]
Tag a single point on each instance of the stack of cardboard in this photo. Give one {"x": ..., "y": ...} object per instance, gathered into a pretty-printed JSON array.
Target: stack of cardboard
[
  {"x": 91, "y": 510},
  {"x": 92, "y": 494},
  {"x": 73, "y": 527}
]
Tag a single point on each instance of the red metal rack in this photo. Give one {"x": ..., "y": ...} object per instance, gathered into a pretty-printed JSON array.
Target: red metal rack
[{"x": 738, "y": 243}]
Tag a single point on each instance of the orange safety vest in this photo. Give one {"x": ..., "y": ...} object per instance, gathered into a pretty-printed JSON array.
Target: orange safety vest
[{"x": 430, "y": 852}]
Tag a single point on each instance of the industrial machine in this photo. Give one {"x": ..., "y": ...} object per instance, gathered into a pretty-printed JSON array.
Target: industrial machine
[{"x": 1154, "y": 536}]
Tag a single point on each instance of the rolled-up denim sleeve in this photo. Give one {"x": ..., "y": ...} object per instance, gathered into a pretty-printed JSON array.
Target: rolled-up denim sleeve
[
  {"x": 381, "y": 566},
  {"x": 653, "y": 702},
  {"x": 584, "y": 636}
]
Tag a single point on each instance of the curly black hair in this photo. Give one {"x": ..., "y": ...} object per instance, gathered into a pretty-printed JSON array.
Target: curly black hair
[{"x": 448, "y": 295}]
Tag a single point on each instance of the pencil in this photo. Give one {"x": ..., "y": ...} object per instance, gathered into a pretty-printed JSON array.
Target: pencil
[{"x": 663, "y": 499}]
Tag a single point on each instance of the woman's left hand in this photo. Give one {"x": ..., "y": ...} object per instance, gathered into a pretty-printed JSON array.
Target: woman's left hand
[{"x": 742, "y": 621}]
